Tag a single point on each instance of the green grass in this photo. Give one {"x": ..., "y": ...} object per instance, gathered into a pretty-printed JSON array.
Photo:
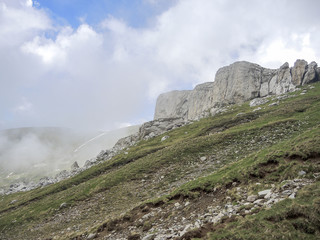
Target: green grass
[
  {"x": 289, "y": 219},
  {"x": 269, "y": 145},
  {"x": 284, "y": 159}
]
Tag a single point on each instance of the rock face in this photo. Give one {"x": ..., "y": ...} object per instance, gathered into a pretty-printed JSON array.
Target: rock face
[
  {"x": 172, "y": 104},
  {"x": 298, "y": 71},
  {"x": 312, "y": 73},
  {"x": 236, "y": 83}
]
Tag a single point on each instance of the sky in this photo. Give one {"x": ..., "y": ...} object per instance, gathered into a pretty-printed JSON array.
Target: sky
[{"x": 101, "y": 64}]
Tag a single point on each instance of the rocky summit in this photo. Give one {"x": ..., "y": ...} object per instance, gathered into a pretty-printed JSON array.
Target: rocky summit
[
  {"x": 238, "y": 158},
  {"x": 236, "y": 83}
]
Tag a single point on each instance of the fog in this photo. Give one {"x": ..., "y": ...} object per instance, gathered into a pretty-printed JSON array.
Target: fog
[
  {"x": 29, "y": 150},
  {"x": 32, "y": 153}
]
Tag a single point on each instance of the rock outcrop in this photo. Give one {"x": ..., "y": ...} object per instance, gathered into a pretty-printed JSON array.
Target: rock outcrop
[
  {"x": 298, "y": 71},
  {"x": 146, "y": 131},
  {"x": 236, "y": 83}
]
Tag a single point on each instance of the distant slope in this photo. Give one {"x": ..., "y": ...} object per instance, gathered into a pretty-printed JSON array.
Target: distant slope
[
  {"x": 31, "y": 153},
  {"x": 209, "y": 179},
  {"x": 92, "y": 146}
]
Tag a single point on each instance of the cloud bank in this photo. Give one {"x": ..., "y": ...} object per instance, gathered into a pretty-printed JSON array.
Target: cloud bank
[{"x": 105, "y": 75}]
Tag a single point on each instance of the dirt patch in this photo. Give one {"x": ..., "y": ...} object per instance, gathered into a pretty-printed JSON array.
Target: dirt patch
[{"x": 148, "y": 215}]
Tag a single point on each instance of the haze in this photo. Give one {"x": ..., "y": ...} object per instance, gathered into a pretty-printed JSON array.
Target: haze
[{"x": 32, "y": 153}]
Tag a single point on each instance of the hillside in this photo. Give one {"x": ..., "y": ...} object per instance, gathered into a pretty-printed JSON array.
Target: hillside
[{"x": 245, "y": 173}]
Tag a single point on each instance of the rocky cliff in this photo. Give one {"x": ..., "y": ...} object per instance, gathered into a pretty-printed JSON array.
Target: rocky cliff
[{"x": 236, "y": 83}]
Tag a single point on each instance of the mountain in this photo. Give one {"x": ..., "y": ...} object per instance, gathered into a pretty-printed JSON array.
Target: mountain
[
  {"x": 249, "y": 171},
  {"x": 28, "y": 154},
  {"x": 236, "y": 83}
]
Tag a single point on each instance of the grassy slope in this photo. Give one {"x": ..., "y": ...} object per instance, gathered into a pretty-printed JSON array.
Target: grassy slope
[
  {"x": 290, "y": 219},
  {"x": 246, "y": 144}
]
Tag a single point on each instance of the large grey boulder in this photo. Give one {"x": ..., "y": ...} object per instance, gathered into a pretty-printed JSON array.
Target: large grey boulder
[
  {"x": 124, "y": 143},
  {"x": 281, "y": 82},
  {"x": 298, "y": 71},
  {"x": 156, "y": 127},
  {"x": 74, "y": 166},
  {"x": 311, "y": 74}
]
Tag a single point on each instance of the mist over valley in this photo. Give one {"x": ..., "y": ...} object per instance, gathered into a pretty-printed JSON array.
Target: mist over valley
[{"x": 28, "y": 154}]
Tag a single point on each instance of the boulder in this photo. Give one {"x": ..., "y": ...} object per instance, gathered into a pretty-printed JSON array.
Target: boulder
[
  {"x": 252, "y": 198},
  {"x": 263, "y": 193},
  {"x": 74, "y": 166},
  {"x": 122, "y": 144},
  {"x": 149, "y": 237},
  {"x": 164, "y": 138},
  {"x": 63, "y": 205},
  {"x": 159, "y": 126},
  {"x": 292, "y": 196},
  {"x": 62, "y": 175},
  {"x": 92, "y": 236},
  {"x": 89, "y": 163},
  {"x": 203, "y": 158},
  {"x": 134, "y": 236},
  {"x": 311, "y": 74},
  {"x": 45, "y": 181},
  {"x": 281, "y": 82},
  {"x": 258, "y": 101},
  {"x": 298, "y": 71}
]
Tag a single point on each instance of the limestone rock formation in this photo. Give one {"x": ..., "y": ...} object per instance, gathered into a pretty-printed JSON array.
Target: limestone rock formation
[
  {"x": 159, "y": 126},
  {"x": 236, "y": 83},
  {"x": 311, "y": 74},
  {"x": 172, "y": 104},
  {"x": 298, "y": 71}
]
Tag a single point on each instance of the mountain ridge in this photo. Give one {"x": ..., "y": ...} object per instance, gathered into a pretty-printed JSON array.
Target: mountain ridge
[{"x": 239, "y": 82}]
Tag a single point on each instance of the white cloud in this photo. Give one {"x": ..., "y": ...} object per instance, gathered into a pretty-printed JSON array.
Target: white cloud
[
  {"x": 17, "y": 24},
  {"x": 57, "y": 51},
  {"x": 48, "y": 50},
  {"x": 280, "y": 50},
  {"x": 29, "y": 3},
  {"x": 98, "y": 76}
]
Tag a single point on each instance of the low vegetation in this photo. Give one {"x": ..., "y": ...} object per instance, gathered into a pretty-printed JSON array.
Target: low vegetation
[{"x": 238, "y": 147}]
